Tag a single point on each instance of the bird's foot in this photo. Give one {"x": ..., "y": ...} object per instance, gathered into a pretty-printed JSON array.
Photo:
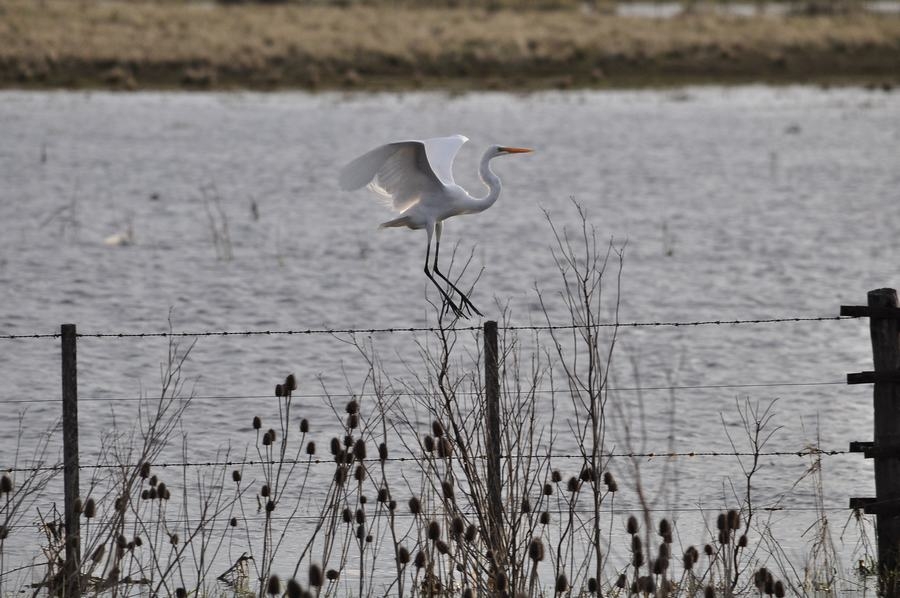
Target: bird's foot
[
  {"x": 470, "y": 307},
  {"x": 450, "y": 306}
]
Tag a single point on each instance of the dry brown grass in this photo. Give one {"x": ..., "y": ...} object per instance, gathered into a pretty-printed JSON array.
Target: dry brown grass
[{"x": 147, "y": 44}]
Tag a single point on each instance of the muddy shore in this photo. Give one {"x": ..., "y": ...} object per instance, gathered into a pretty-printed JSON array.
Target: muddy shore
[{"x": 146, "y": 45}]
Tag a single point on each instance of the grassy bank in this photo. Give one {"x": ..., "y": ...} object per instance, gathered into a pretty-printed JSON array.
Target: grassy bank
[{"x": 128, "y": 45}]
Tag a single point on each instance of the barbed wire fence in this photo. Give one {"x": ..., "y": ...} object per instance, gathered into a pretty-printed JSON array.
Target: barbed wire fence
[{"x": 71, "y": 465}]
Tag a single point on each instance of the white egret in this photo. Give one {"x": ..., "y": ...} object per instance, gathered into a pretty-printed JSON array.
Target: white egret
[{"x": 415, "y": 178}]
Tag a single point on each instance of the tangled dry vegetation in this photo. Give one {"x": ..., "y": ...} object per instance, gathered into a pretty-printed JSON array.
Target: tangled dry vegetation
[
  {"x": 127, "y": 44},
  {"x": 391, "y": 497}
]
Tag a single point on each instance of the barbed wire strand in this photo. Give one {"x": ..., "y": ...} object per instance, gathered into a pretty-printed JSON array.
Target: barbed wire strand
[
  {"x": 224, "y": 521},
  {"x": 806, "y": 452},
  {"x": 397, "y": 330}
]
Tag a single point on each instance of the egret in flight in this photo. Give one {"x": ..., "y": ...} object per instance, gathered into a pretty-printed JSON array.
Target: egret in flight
[{"x": 415, "y": 178}]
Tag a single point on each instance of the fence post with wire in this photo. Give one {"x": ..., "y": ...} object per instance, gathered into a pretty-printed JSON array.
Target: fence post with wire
[{"x": 884, "y": 328}]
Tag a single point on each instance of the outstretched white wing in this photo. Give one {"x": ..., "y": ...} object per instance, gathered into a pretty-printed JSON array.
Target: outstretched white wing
[{"x": 404, "y": 171}]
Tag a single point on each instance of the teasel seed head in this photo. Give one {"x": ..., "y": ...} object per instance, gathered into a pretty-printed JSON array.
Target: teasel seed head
[
  {"x": 290, "y": 383},
  {"x": 622, "y": 581},
  {"x": 304, "y": 426},
  {"x": 392, "y": 505},
  {"x": 6, "y": 484},
  {"x": 434, "y": 530},
  {"x": 233, "y": 522},
  {"x": 447, "y": 488},
  {"x": 403, "y": 555},
  {"x": 270, "y": 506},
  {"x": 383, "y": 495},
  {"x": 353, "y": 421},
  {"x": 293, "y": 589},
  {"x": 548, "y": 490},
  {"x": 592, "y": 585},
  {"x": 419, "y": 561},
  {"x": 555, "y": 476},
  {"x": 359, "y": 450},
  {"x": 173, "y": 539},
  {"x": 236, "y": 476},
  {"x": 359, "y": 474},
  {"x": 271, "y": 433},
  {"x": 335, "y": 446},
  {"x": 526, "y": 505},
  {"x": 632, "y": 526},
  {"x": 437, "y": 429},
  {"x": 759, "y": 578},
  {"x": 647, "y": 584},
  {"x": 180, "y": 593},
  {"x": 332, "y": 575},
  {"x": 274, "y": 586},
  {"x": 687, "y": 560},
  {"x": 347, "y": 515},
  {"x": 428, "y": 443},
  {"x": 636, "y": 544},
  {"x": 361, "y": 532},
  {"x": 708, "y": 550},
  {"x": 770, "y": 586},
  {"x": 721, "y": 521},
  {"x": 545, "y": 518},
  {"x": 315, "y": 576},
  {"x": 138, "y": 541},
  {"x": 161, "y": 490},
  {"x": 382, "y": 452},
  {"x": 360, "y": 516},
  {"x": 637, "y": 559},
  {"x": 264, "y": 491},
  {"x": 145, "y": 494},
  {"x": 501, "y": 581},
  {"x": 145, "y": 470},
  {"x": 257, "y": 423},
  {"x": 415, "y": 506},
  {"x": 279, "y": 390},
  {"x": 573, "y": 484},
  {"x": 442, "y": 547},
  {"x": 587, "y": 474},
  {"x": 340, "y": 475},
  {"x": 724, "y": 536},
  {"x": 742, "y": 541},
  {"x": 153, "y": 481},
  {"x": 444, "y": 448},
  {"x": 352, "y": 407},
  {"x": 613, "y": 487},
  {"x": 562, "y": 583},
  {"x": 734, "y": 519},
  {"x": 536, "y": 550},
  {"x": 779, "y": 589},
  {"x": 90, "y": 508},
  {"x": 310, "y": 448},
  {"x": 151, "y": 493},
  {"x": 266, "y": 439},
  {"x": 471, "y": 533},
  {"x": 457, "y": 527},
  {"x": 467, "y": 593},
  {"x": 709, "y": 592},
  {"x": 665, "y": 528}
]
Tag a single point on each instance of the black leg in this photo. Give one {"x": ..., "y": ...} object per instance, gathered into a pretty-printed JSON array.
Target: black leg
[
  {"x": 462, "y": 296},
  {"x": 448, "y": 302}
]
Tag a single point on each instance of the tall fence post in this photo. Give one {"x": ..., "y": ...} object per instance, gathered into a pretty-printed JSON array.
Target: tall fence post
[
  {"x": 884, "y": 328},
  {"x": 492, "y": 441},
  {"x": 70, "y": 462}
]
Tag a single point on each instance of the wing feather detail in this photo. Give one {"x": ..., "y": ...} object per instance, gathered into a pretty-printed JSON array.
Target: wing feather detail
[{"x": 402, "y": 172}]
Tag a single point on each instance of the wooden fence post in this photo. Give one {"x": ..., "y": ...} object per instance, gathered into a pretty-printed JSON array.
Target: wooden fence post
[
  {"x": 70, "y": 462},
  {"x": 884, "y": 327},
  {"x": 492, "y": 442}
]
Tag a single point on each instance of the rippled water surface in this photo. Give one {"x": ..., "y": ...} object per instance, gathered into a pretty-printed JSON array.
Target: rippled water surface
[{"x": 735, "y": 203}]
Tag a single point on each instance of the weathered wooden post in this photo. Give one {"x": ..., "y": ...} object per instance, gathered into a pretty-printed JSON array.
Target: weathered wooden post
[
  {"x": 70, "y": 462},
  {"x": 884, "y": 327},
  {"x": 492, "y": 441}
]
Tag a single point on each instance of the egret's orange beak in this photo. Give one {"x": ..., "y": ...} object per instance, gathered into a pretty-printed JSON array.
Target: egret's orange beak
[{"x": 516, "y": 150}]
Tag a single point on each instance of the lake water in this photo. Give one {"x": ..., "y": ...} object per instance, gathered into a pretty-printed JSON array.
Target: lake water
[{"x": 736, "y": 203}]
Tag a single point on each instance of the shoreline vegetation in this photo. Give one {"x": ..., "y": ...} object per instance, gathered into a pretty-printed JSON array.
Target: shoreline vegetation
[{"x": 130, "y": 44}]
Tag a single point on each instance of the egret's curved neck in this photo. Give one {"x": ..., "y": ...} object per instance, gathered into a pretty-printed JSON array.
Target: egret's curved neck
[{"x": 491, "y": 180}]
